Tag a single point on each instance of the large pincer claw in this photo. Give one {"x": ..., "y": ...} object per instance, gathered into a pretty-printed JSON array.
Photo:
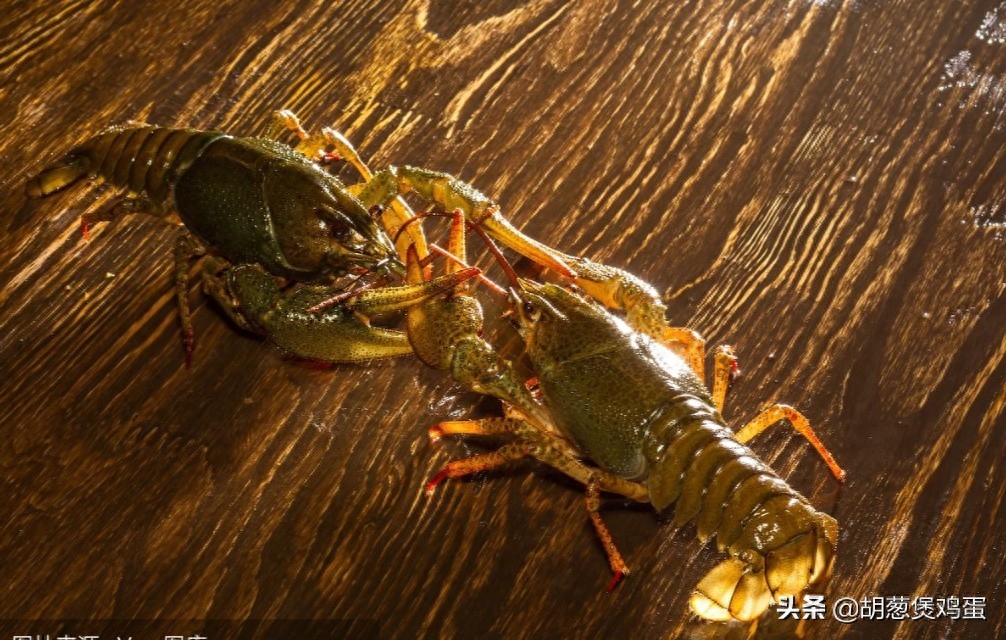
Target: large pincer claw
[{"x": 340, "y": 333}]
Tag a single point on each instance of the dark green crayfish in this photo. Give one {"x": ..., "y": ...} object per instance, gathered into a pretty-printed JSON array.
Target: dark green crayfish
[{"x": 255, "y": 201}]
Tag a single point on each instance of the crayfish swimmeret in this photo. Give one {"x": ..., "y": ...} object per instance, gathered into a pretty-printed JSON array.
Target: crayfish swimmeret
[{"x": 284, "y": 236}]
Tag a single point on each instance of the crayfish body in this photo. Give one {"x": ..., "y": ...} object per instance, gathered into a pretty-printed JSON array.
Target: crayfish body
[
  {"x": 638, "y": 410},
  {"x": 253, "y": 200},
  {"x": 263, "y": 211},
  {"x": 621, "y": 412}
]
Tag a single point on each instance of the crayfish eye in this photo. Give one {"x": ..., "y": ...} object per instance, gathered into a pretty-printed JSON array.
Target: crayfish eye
[
  {"x": 531, "y": 312},
  {"x": 343, "y": 232}
]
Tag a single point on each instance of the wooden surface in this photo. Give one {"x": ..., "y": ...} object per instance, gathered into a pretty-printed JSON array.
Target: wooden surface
[{"x": 821, "y": 184}]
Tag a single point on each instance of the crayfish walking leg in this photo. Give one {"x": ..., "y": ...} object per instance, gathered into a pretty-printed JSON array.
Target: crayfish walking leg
[{"x": 554, "y": 451}]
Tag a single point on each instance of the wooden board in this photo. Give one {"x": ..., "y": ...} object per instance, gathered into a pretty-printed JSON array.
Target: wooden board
[{"x": 821, "y": 184}]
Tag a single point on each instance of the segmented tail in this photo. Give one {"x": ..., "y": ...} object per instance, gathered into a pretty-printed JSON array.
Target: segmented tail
[
  {"x": 779, "y": 544},
  {"x": 743, "y": 586},
  {"x": 57, "y": 177},
  {"x": 141, "y": 159}
]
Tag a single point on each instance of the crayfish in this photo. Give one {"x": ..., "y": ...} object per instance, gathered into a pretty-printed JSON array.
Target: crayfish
[{"x": 621, "y": 404}]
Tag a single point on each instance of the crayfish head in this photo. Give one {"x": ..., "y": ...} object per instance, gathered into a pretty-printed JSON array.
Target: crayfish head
[
  {"x": 533, "y": 308},
  {"x": 559, "y": 325},
  {"x": 314, "y": 218}
]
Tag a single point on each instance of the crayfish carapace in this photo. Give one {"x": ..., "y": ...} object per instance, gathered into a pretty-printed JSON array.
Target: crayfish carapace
[{"x": 655, "y": 434}]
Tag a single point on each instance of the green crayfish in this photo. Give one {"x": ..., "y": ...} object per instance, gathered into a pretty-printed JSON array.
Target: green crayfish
[{"x": 255, "y": 201}]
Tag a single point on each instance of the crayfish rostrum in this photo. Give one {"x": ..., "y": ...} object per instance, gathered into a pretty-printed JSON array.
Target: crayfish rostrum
[{"x": 620, "y": 401}]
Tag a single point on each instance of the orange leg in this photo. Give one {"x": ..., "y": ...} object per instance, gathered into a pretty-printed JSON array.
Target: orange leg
[
  {"x": 481, "y": 462},
  {"x": 690, "y": 345},
  {"x": 122, "y": 207},
  {"x": 618, "y": 566},
  {"x": 186, "y": 248},
  {"x": 547, "y": 447},
  {"x": 779, "y": 412},
  {"x": 724, "y": 372},
  {"x": 485, "y": 427},
  {"x": 553, "y": 451}
]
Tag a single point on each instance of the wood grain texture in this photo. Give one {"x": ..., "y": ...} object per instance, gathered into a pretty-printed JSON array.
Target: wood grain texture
[{"x": 820, "y": 183}]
